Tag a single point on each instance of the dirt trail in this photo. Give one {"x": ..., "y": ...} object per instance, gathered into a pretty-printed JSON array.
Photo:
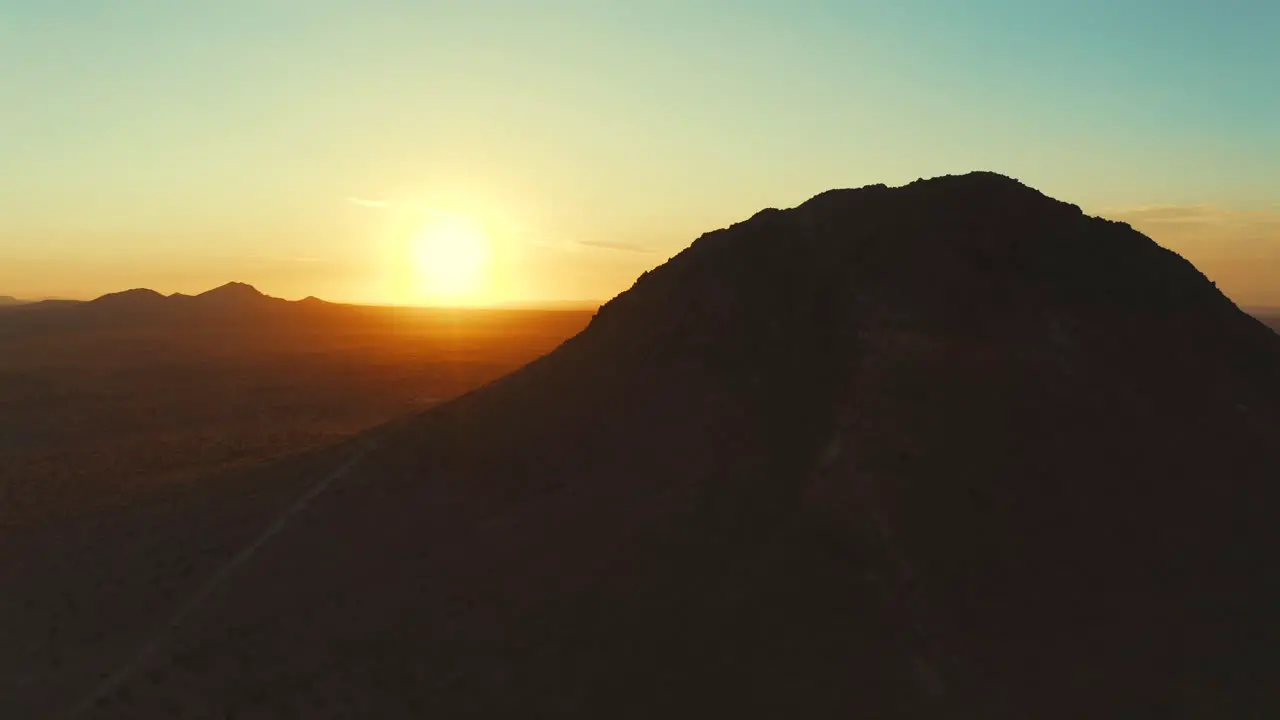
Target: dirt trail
[{"x": 164, "y": 632}]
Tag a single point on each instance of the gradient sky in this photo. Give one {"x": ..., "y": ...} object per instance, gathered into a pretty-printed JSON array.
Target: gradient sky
[{"x": 299, "y": 144}]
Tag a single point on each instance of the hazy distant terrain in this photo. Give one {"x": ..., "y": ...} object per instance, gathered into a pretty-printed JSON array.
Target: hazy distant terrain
[
  {"x": 144, "y": 439},
  {"x": 129, "y": 394},
  {"x": 1270, "y": 317}
]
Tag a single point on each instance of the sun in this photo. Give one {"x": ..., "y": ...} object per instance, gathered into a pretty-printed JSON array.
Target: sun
[{"x": 449, "y": 259}]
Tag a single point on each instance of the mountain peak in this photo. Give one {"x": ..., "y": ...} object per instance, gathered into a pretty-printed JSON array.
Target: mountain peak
[
  {"x": 233, "y": 290},
  {"x": 136, "y": 296},
  {"x": 975, "y": 254},
  {"x": 978, "y": 189},
  {"x": 988, "y": 177}
]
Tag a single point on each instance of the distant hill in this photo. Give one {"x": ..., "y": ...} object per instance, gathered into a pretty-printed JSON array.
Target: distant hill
[
  {"x": 8, "y": 300},
  {"x": 129, "y": 299},
  {"x": 233, "y": 294},
  {"x": 228, "y": 302},
  {"x": 948, "y": 450}
]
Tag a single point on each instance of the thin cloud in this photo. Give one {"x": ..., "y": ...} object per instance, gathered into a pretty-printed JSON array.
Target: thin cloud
[
  {"x": 613, "y": 245},
  {"x": 1238, "y": 249},
  {"x": 539, "y": 239},
  {"x": 368, "y": 203},
  {"x": 1170, "y": 213},
  {"x": 1200, "y": 219}
]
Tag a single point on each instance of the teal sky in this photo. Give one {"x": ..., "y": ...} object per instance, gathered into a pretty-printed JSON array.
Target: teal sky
[{"x": 181, "y": 145}]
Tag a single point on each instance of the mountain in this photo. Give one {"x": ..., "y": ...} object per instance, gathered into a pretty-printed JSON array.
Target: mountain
[
  {"x": 136, "y": 299},
  {"x": 1269, "y": 316},
  {"x": 144, "y": 305},
  {"x": 234, "y": 294},
  {"x": 948, "y": 450},
  {"x": 169, "y": 320},
  {"x": 8, "y": 301}
]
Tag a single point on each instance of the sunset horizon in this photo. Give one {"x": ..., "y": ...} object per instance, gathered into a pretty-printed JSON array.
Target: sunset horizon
[
  {"x": 424, "y": 280},
  {"x": 322, "y": 149}
]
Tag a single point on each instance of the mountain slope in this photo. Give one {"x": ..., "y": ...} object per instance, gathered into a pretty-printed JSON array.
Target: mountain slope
[{"x": 947, "y": 450}]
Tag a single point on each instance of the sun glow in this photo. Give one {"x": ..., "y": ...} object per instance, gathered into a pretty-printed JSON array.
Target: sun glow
[{"x": 449, "y": 260}]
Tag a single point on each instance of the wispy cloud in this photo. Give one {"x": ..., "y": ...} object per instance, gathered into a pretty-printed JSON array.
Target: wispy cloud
[
  {"x": 1168, "y": 214},
  {"x": 368, "y": 203},
  {"x": 1239, "y": 249},
  {"x": 568, "y": 245},
  {"x": 1201, "y": 220},
  {"x": 614, "y": 245}
]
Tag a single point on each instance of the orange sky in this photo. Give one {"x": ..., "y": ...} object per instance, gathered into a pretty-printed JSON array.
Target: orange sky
[{"x": 1237, "y": 249}]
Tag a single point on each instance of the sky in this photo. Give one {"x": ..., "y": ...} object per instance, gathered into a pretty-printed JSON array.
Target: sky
[{"x": 334, "y": 147}]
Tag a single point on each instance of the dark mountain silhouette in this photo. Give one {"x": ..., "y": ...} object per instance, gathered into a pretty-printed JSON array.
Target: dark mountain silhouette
[
  {"x": 233, "y": 302},
  {"x": 139, "y": 298},
  {"x": 164, "y": 319},
  {"x": 234, "y": 294},
  {"x": 1269, "y": 316},
  {"x": 233, "y": 290},
  {"x": 949, "y": 450}
]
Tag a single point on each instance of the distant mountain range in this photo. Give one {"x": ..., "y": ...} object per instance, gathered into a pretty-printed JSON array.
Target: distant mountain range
[
  {"x": 174, "y": 315},
  {"x": 233, "y": 296}
]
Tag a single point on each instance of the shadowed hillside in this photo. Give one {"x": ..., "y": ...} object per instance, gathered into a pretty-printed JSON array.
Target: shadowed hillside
[{"x": 948, "y": 450}]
